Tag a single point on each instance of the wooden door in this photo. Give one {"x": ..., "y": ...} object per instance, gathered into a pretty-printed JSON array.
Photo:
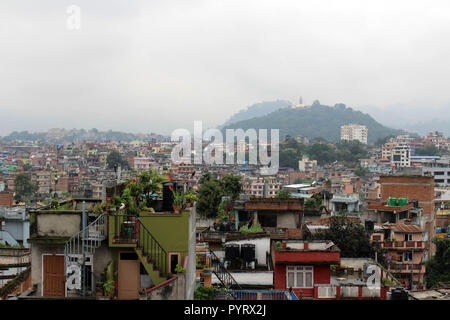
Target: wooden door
[
  {"x": 128, "y": 284},
  {"x": 54, "y": 280}
]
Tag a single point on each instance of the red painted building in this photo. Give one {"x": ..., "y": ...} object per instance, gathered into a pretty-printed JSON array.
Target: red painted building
[{"x": 303, "y": 265}]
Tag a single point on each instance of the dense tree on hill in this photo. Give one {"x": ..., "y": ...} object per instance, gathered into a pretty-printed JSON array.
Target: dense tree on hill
[
  {"x": 289, "y": 157},
  {"x": 381, "y": 141},
  {"x": 291, "y": 152},
  {"x": 431, "y": 150},
  {"x": 315, "y": 121},
  {"x": 361, "y": 172}
]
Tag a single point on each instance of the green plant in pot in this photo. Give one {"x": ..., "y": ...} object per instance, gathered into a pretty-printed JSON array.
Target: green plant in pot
[
  {"x": 190, "y": 197},
  {"x": 177, "y": 201},
  {"x": 179, "y": 269},
  {"x": 108, "y": 288}
]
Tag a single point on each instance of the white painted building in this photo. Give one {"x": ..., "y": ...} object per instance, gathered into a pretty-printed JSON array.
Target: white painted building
[{"x": 354, "y": 132}]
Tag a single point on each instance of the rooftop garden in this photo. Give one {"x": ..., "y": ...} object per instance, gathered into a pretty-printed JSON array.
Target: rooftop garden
[{"x": 143, "y": 193}]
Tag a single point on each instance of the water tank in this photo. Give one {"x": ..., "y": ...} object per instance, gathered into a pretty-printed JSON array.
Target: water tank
[
  {"x": 168, "y": 196},
  {"x": 231, "y": 252},
  {"x": 399, "y": 294},
  {"x": 392, "y": 202},
  {"x": 402, "y": 202},
  {"x": 248, "y": 252}
]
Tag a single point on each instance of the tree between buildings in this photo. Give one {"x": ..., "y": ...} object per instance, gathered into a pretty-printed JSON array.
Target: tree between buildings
[
  {"x": 24, "y": 188},
  {"x": 350, "y": 237},
  {"x": 212, "y": 190},
  {"x": 438, "y": 267},
  {"x": 284, "y": 194}
]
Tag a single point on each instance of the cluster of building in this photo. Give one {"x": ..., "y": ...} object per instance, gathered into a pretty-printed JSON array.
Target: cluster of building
[{"x": 163, "y": 254}]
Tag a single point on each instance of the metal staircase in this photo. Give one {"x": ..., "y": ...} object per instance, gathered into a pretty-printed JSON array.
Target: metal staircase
[
  {"x": 222, "y": 274},
  {"x": 78, "y": 255},
  {"x": 153, "y": 256}
]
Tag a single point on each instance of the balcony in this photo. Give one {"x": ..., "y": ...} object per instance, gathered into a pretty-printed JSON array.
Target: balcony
[
  {"x": 122, "y": 230},
  {"x": 403, "y": 245},
  {"x": 406, "y": 268},
  {"x": 256, "y": 295}
]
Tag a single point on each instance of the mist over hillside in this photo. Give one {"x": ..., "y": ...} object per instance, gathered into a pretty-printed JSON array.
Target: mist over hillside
[
  {"x": 316, "y": 121},
  {"x": 57, "y": 135},
  {"x": 258, "y": 110}
]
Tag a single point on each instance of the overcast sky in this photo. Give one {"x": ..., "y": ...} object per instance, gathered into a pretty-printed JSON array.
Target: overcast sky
[{"x": 153, "y": 66}]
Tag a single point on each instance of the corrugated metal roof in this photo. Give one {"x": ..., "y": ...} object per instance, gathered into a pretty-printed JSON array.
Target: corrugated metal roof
[{"x": 406, "y": 228}]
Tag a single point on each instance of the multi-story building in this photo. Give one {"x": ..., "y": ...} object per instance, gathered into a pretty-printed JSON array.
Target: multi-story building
[
  {"x": 305, "y": 164},
  {"x": 418, "y": 188},
  {"x": 143, "y": 163},
  {"x": 399, "y": 155},
  {"x": 438, "y": 168},
  {"x": 44, "y": 182},
  {"x": 353, "y": 132},
  {"x": 438, "y": 140},
  {"x": 405, "y": 251},
  {"x": 262, "y": 187}
]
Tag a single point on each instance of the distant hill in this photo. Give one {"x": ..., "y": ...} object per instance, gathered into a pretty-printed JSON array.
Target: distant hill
[
  {"x": 315, "y": 121},
  {"x": 258, "y": 110},
  {"x": 79, "y": 135},
  {"x": 425, "y": 127}
]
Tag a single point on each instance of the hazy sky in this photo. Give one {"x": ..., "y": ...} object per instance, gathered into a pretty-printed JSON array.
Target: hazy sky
[{"x": 142, "y": 66}]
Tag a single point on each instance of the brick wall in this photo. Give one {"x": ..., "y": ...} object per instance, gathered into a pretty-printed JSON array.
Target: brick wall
[
  {"x": 411, "y": 188},
  {"x": 6, "y": 199}
]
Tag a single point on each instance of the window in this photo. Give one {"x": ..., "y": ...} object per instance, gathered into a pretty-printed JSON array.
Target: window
[
  {"x": 299, "y": 277},
  {"x": 408, "y": 237},
  {"x": 407, "y": 256}
]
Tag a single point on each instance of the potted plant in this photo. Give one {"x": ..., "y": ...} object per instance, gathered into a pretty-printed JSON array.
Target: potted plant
[
  {"x": 108, "y": 290},
  {"x": 177, "y": 201},
  {"x": 191, "y": 197},
  {"x": 179, "y": 269}
]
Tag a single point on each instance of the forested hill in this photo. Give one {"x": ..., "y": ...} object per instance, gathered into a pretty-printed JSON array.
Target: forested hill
[
  {"x": 78, "y": 135},
  {"x": 315, "y": 121},
  {"x": 258, "y": 110}
]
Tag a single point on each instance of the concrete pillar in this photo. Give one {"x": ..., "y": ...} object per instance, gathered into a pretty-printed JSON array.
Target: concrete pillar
[
  {"x": 236, "y": 219},
  {"x": 255, "y": 217}
]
